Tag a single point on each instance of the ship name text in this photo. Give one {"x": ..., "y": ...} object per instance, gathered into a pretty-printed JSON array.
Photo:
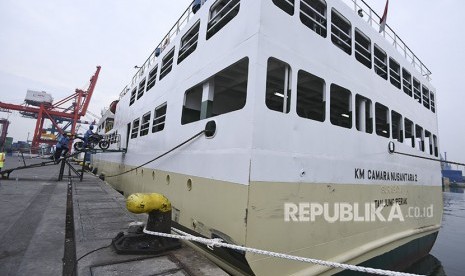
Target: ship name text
[{"x": 385, "y": 175}]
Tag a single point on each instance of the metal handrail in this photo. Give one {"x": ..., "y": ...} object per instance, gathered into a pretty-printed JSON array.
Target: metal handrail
[
  {"x": 314, "y": 20},
  {"x": 221, "y": 19},
  {"x": 363, "y": 56},
  {"x": 185, "y": 51},
  {"x": 392, "y": 37},
  {"x": 322, "y": 16},
  {"x": 174, "y": 31}
]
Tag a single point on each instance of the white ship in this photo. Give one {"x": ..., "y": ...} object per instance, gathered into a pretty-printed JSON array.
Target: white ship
[{"x": 307, "y": 97}]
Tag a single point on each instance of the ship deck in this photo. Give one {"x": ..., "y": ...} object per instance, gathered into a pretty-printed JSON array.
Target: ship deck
[{"x": 36, "y": 240}]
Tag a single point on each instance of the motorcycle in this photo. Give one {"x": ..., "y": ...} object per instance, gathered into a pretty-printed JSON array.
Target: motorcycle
[{"x": 93, "y": 140}]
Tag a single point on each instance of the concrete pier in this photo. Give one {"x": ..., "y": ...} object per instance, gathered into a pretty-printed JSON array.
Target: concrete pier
[{"x": 36, "y": 239}]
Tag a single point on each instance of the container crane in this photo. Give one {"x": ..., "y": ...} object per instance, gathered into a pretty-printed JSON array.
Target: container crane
[{"x": 69, "y": 109}]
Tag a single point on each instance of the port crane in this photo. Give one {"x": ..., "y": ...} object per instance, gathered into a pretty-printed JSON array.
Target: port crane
[{"x": 69, "y": 109}]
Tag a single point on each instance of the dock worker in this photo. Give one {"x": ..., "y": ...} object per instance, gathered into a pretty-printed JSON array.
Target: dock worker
[
  {"x": 88, "y": 133},
  {"x": 2, "y": 160},
  {"x": 62, "y": 146}
]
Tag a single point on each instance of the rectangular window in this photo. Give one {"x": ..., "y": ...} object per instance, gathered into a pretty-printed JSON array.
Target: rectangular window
[
  {"x": 278, "y": 86},
  {"x": 133, "y": 96},
  {"x": 362, "y": 48},
  {"x": 409, "y": 133},
  {"x": 394, "y": 72},
  {"x": 159, "y": 118},
  {"x": 382, "y": 120},
  {"x": 152, "y": 78},
  {"x": 144, "y": 128},
  {"x": 341, "y": 32},
  {"x": 230, "y": 89},
  {"x": 135, "y": 128},
  {"x": 416, "y": 90},
  {"x": 429, "y": 142},
  {"x": 340, "y": 106},
  {"x": 310, "y": 96},
  {"x": 140, "y": 91},
  {"x": 192, "y": 105},
  {"x": 221, "y": 12},
  {"x": 433, "y": 104},
  {"x": 313, "y": 15},
  {"x": 222, "y": 93},
  {"x": 425, "y": 96},
  {"x": 397, "y": 126},
  {"x": 285, "y": 5},
  {"x": 380, "y": 61},
  {"x": 407, "y": 82},
  {"x": 167, "y": 63},
  {"x": 435, "y": 144},
  {"x": 189, "y": 42},
  {"x": 420, "y": 138},
  {"x": 363, "y": 114}
]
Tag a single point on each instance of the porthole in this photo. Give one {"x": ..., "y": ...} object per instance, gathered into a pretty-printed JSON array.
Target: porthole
[{"x": 189, "y": 184}]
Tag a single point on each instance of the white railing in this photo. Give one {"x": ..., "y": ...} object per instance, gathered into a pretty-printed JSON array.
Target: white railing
[
  {"x": 174, "y": 31},
  {"x": 362, "y": 51},
  {"x": 373, "y": 20},
  {"x": 219, "y": 16}
]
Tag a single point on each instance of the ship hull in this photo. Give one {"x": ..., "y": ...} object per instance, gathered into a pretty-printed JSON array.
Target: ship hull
[{"x": 254, "y": 215}]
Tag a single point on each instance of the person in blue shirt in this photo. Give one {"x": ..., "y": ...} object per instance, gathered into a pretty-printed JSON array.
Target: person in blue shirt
[
  {"x": 62, "y": 146},
  {"x": 88, "y": 133}
]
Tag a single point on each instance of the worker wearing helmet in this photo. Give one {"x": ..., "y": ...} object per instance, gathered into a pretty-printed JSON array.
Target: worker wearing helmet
[{"x": 88, "y": 133}]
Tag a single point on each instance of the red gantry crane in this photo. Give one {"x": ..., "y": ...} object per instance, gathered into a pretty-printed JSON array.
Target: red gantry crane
[{"x": 69, "y": 109}]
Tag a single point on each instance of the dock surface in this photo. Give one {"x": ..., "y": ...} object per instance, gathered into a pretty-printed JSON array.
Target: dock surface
[{"x": 37, "y": 239}]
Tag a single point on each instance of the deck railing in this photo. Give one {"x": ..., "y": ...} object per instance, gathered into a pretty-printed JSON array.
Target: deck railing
[
  {"x": 174, "y": 31},
  {"x": 373, "y": 20},
  {"x": 359, "y": 7}
]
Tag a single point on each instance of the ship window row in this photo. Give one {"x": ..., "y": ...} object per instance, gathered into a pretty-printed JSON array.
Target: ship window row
[
  {"x": 221, "y": 13},
  {"x": 311, "y": 104},
  {"x": 158, "y": 122},
  {"x": 222, "y": 93},
  {"x": 313, "y": 14}
]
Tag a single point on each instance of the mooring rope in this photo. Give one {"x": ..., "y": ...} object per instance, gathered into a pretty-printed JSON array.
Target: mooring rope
[
  {"x": 211, "y": 243},
  {"x": 160, "y": 156}
]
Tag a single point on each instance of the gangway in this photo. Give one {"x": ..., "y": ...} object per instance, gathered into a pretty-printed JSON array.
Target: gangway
[
  {"x": 41, "y": 164},
  {"x": 5, "y": 174},
  {"x": 37, "y": 165}
]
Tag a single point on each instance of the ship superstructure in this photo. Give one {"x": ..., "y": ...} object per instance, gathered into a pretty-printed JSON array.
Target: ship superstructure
[{"x": 307, "y": 96}]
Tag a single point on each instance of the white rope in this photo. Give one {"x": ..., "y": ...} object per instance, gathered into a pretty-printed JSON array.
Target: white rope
[{"x": 211, "y": 243}]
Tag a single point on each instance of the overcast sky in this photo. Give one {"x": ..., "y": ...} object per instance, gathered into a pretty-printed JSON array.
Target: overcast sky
[{"x": 55, "y": 45}]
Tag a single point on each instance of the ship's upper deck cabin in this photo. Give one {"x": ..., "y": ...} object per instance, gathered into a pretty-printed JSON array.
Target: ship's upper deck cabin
[{"x": 324, "y": 61}]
